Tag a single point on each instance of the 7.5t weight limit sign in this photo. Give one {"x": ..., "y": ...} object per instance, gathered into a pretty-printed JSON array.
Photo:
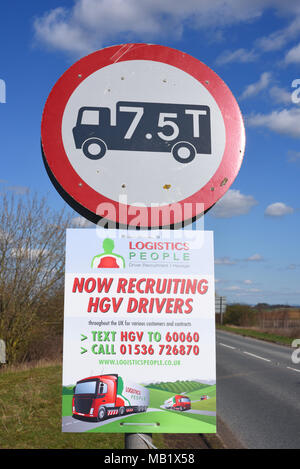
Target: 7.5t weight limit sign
[
  {"x": 152, "y": 127},
  {"x": 140, "y": 129}
]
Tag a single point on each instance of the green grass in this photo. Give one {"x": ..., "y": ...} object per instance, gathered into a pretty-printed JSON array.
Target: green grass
[
  {"x": 269, "y": 337},
  {"x": 30, "y": 414},
  {"x": 66, "y": 405},
  {"x": 177, "y": 387},
  {"x": 209, "y": 390},
  {"x": 170, "y": 422},
  {"x": 158, "y": 397},
  {"x": 209, "y": 404}
]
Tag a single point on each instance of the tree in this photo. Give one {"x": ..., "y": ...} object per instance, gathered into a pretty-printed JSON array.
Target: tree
[
  {"x": 32, "y": 243},
  {"x": 240, "y": 315}
]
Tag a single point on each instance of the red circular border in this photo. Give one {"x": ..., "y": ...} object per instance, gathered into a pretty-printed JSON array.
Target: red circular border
[{"x": 88, "y": 198}]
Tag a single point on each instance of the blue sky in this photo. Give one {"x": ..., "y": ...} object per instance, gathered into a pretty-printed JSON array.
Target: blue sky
[{"x": 253, "y": 46}]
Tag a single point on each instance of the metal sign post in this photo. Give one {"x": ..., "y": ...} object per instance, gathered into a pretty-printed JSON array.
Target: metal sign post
[
  {"x": 138, "y": 441},
  {"x": 220, "y": 305},
  {"x": 2, "y": 352}
]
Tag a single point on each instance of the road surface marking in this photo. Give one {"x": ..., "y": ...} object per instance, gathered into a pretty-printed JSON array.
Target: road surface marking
[
  {"x": 257, "y": 356},
  {"x": 224, "y": 345},
  {"x": 294, "y": 369},
  {"x": 70, "y": 423}
]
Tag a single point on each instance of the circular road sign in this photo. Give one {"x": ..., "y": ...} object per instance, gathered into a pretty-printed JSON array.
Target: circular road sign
[{"x": 142, "y": 135}]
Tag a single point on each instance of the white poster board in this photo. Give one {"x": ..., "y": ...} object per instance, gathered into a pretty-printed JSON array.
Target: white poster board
[{"x": 139, "y": 308}]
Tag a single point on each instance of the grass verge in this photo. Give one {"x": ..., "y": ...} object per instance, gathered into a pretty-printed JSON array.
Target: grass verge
[
  {"x": 30, "y": 414},
  {"x": 262, "y": 335}
]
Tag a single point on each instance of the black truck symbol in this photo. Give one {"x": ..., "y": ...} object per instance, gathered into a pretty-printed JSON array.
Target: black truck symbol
[{"x": 181, "y": 129}]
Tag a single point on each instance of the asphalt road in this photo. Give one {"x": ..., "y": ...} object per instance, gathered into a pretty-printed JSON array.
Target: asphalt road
[{"x": 258, "y": 392}]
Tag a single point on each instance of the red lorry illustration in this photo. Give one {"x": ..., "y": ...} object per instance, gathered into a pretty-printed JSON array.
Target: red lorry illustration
[
  {"x": 99, "y": 397},
  {"x": 178, "y": 402}
]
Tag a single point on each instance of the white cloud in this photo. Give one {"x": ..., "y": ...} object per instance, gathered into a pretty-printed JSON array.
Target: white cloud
[
  {"x": 278, "y": 209},
  {"x": 280, "y": 95},
  {"x": 257, "y": 87},
  {"x": 88, "y": 25},
  {"x": 233, "y": 204},
  {"x": 227, "y": 261},
  {"x": 254, "y": 258},
  {"x": 19, "y": 190},
  {"x": 284, "y": 122},
  {"x": 224, "y": 261},
  {"x": 292, "y": 266},
  {"x": 239, "y": 55},
  {"x": 293, "y": 55},
  {"x": 81, "y": 222},
  {"x": 241, "y": 290},
  {"x": 278, "y": 39},
  {"x": 273, "y": 42},
  {"x": 58, "y": 31},
  {"x": 233, "y": 288}
]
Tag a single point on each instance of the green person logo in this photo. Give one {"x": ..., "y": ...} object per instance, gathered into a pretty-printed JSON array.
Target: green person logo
[{"x": 108, "y": 259}]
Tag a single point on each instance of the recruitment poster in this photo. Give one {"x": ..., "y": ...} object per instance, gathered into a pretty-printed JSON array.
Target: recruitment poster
[{"x": 139, "y": 332}]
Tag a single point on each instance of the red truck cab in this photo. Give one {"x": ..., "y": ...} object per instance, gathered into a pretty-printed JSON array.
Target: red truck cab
[
  {"x": 182, "y": 402},
  {"x": 94, "y": 396},
  {"x": 98, "y": 397}
]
